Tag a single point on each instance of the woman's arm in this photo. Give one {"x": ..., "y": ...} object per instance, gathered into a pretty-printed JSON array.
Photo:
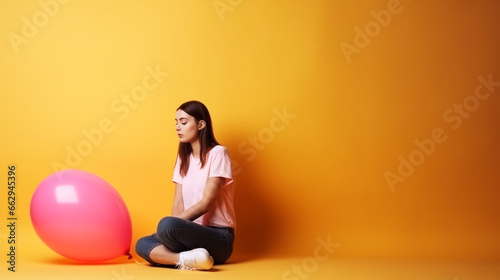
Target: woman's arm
[
  {"x": 207, "y": 202},
  {"x": 178, "y": 206}
]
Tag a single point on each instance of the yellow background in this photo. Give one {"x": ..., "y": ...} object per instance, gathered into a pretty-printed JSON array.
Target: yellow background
[{"x": 321, "y": 174}]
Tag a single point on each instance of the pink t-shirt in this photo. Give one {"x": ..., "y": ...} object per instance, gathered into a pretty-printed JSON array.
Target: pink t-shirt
[{"x": 218, "y": 164}]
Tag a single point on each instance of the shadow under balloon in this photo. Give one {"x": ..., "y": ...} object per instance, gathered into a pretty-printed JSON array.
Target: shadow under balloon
[{"x": 65, "y": 261}]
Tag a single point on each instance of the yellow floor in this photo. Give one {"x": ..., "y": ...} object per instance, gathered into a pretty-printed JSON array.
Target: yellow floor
[{"x": 263, "y": 268}]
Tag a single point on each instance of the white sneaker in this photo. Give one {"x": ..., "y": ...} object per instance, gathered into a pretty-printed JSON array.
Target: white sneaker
[{"x": 196, "y": 259}]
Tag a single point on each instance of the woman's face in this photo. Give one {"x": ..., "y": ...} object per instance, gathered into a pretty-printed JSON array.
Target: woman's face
[{"x": 186, "y": 126}]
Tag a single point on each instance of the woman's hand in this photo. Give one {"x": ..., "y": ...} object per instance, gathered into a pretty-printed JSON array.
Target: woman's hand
[{"x": 207, "y": 201}]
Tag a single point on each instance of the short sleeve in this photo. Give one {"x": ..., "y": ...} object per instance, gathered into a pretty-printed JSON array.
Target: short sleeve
[
  {"x": 220, "y": 165},
  {"x": 177, "y": 178}
]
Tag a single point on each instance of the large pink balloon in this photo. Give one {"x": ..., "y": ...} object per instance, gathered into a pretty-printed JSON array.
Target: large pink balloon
[{"x": 81, "y": 216}]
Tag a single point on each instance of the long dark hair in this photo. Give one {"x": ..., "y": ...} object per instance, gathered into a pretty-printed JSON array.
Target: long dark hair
[{"x": 200, "y": 112}]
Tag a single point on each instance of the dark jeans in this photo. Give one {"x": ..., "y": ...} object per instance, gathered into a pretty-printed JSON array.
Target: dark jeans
[{"x": 180, "y": 235}]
